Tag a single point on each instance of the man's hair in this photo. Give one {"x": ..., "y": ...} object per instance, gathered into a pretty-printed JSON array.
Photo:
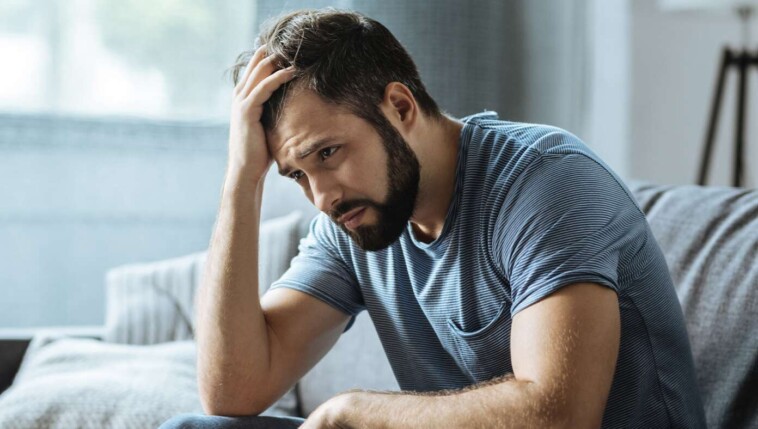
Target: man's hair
[{"x": 345, "y": 57}]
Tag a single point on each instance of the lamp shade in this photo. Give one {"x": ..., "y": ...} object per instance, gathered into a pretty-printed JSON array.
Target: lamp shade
[{"x": 730, "y": 5}]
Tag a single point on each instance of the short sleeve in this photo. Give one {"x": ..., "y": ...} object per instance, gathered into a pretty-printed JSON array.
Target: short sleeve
[
  {"x": 565, "y": 220},
  {"x": 320, "y": 271}
]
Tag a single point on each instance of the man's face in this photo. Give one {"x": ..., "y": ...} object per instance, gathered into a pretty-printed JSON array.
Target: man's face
[{"x": 366, "y": 179}]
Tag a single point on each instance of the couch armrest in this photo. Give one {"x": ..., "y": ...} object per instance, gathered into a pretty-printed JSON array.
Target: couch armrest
[
  {"x": 14, "y": 342},
  {"x": 11, "y": 353}
]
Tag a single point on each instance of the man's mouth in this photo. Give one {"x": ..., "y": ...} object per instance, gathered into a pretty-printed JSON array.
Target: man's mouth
[{"x": 352, "y": 218}]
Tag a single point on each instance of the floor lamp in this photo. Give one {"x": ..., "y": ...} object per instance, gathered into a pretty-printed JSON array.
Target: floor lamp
[{"x": 740, "y": 60}]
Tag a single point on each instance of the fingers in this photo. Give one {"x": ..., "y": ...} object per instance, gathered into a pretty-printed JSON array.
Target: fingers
[
  {"x": 256, "y": 58},
  {"x": 268, "y": 85},
  {"x": 261, "y": 71},
  {"x": 261, "y": 79}
]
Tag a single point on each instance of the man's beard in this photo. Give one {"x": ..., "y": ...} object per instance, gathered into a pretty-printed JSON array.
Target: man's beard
[{"x": 392, "y": 216}]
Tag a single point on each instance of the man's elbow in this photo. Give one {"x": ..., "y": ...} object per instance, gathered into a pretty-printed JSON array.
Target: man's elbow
[
  {"x": 228, "y": 409},
  {"x": 559, "y": 409},
  {"x": 217, "y": 401},
  {"x": 568, "y": 419},
  {"x": 576, "y": 417},
  {"x": 577, "y": 421}
]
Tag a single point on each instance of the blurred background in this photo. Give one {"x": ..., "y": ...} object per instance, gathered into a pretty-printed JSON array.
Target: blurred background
[{"x": 113, "y": 114}]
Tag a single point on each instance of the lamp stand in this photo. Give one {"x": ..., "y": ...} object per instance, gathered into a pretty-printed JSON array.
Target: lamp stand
[{"x": 742, "y": 60}]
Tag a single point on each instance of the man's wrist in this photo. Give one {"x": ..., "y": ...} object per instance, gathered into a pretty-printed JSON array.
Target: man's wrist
[
  {"x": 241, "y": 179},
  {"x": 346, "y": 409}
]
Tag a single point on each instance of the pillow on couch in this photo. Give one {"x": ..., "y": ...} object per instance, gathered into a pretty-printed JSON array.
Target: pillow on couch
[{"x": 153, "y": 302}]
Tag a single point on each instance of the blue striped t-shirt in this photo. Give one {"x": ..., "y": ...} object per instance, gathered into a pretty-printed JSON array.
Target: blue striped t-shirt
[{"x": 534, "y": 210}]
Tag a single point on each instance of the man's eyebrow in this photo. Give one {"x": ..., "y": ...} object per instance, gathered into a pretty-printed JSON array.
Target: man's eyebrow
[
  {"x": 313, "y": 147},
  {"x": 309, "y": 149}
]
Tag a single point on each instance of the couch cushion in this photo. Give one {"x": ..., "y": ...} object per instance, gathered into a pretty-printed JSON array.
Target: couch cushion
[
  {"x": 81, "y": 383},
  {"x": 709, "y": 236},
  {"x": 84, "y": 383}
]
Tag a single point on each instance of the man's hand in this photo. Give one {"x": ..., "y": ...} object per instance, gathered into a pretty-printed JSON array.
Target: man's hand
[
  {"x": 330, "y": 414},
  {"x": 247, "y": 140}
]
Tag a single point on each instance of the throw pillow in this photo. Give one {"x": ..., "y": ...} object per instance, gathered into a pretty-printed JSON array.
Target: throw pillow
[{"x": 153, "y": 303}]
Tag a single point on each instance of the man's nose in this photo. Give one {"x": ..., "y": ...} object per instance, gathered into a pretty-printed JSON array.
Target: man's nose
[{"x": 326, "y": 193}]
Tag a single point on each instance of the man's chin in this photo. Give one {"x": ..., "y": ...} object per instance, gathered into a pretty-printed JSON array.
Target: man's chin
[
  {"x": 373, "y": 238},
  {"x": 380, "y": 228}
]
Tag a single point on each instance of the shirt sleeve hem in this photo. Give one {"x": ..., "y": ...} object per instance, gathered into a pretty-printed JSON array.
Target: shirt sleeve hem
[
  {"x": 554, "y": 285},
  {"x": 352, "y": 312}
]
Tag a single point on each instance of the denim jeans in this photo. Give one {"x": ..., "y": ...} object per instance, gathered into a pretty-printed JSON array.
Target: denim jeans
[{"x": 201, "y": 421}]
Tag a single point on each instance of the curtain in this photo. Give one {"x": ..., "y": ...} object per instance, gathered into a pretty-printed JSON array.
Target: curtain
[{"x": 524, "y": 59}]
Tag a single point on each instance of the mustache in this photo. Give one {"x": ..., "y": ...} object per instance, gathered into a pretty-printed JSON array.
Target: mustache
[{"x": 346, "y": 206}]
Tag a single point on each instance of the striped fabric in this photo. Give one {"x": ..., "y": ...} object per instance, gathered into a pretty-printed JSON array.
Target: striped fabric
[
  {"x": 533, "y": 210},
  {"x": 153, "y": 303}
]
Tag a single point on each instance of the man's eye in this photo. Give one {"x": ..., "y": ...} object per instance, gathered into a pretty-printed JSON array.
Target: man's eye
[
  {"x": 296, "y": 175},
  {"x": 326, "y": 153}
]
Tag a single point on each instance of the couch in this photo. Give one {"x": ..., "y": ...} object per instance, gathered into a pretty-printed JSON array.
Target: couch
[{"x": 138, "y": 369}]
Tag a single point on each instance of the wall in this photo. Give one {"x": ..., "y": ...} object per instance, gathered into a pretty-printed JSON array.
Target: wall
[
  {"x": 674, "y": 59},
  {"x": 607, "y": 116},
  {"x": 80, "y": 196}
]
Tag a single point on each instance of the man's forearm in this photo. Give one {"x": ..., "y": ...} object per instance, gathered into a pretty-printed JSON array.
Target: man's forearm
[
  {"x": 231, "y": 330},
  {"x": 501, "y": 403}
]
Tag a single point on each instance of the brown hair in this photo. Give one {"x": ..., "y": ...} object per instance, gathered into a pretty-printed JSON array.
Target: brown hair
[{"x": 344, "y": 57}]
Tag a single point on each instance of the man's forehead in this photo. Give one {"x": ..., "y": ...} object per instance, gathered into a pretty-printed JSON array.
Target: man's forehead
[{"x": 305, "y": 118}]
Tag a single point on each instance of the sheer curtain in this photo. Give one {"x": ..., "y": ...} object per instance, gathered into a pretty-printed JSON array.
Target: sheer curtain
[{"x": 525, "y": 59}]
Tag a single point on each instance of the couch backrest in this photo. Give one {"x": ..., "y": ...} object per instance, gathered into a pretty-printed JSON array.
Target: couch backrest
[{"x": 709, "y": 236}]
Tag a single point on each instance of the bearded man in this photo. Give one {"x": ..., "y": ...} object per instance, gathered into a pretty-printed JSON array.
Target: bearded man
[{"x": 512, "y": 278}]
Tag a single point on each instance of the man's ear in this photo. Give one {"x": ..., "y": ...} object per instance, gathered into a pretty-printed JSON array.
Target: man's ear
[{"x": 399, "y": 106}]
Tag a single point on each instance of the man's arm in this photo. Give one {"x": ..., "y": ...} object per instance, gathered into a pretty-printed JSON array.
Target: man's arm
[
  {"x": 251, "y": 351},
  {"x": 563, "y": 350}
]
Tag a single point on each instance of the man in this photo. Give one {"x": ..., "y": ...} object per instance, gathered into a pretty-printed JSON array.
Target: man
[{"x": 513, "y": 280}]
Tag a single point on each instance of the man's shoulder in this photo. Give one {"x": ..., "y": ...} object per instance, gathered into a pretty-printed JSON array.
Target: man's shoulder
[
  {"x": 503, "y": 156},
  {"x": 521, "y": 167},
  {"x": 543, "y": 139}
]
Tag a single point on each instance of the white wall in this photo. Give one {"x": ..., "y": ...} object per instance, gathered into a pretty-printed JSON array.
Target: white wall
[
  {"x": 552, "y": 48},
  {"x": 674, "y": 60},
  {"x": 607, "y": 121}
]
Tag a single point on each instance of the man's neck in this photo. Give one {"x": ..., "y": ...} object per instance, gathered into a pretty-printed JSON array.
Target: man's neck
[{"x": 437, "y": 152}]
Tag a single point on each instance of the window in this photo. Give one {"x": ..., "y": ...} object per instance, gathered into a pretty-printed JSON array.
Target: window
[{"x": 147, "y": 58}]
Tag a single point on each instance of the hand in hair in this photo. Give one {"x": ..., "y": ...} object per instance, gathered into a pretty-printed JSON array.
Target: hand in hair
[{"x": 248, "y": 152}]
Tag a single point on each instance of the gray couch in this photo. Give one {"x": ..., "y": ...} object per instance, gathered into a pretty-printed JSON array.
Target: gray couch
[{"x": 709, "y": 236}]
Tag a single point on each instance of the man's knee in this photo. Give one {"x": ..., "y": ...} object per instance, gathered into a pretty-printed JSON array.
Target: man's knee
[
  {"x": 183, "y": 421},
  {"x": 200, "y": 421}
]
